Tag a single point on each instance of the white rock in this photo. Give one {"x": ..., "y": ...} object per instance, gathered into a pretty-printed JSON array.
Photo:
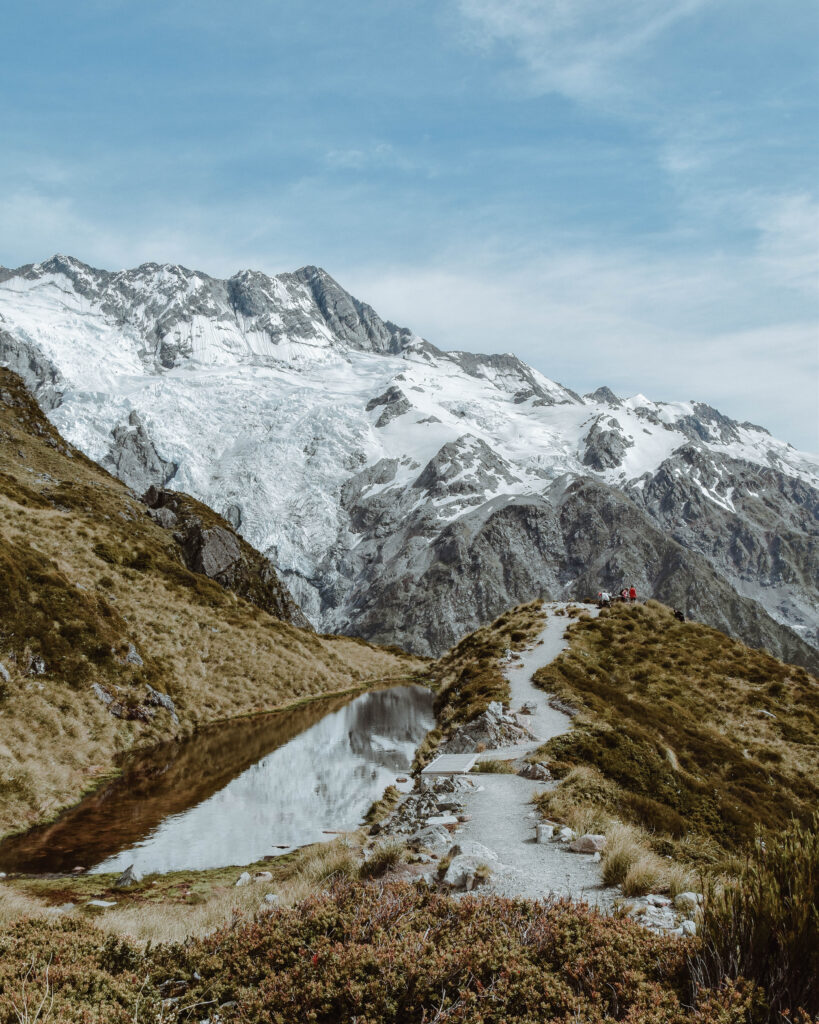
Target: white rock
[
  {"x": 544, "y": 832},
  {"x": 461, "y": 868},
  {"x": 596, "y": 858},
  {"x": 687, "y": 901},
  {"x": 657, "y": 901},
  {"x": 588, "y": 843},
  {"x": 688, "y": 927},
  {"x": 263, "y": 876},
  {"x": 566, "y": 835},
  {"x": 442, "y": 819},
  {"x": 469, "y": 848},
  {"x": 244, "y": 878},
  {"x": 271, "y": 897},
  {"x": 102, "y": 903}
]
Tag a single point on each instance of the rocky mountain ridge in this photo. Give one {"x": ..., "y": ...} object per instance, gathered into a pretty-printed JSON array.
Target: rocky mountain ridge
[{"x": 408, "y": 494}]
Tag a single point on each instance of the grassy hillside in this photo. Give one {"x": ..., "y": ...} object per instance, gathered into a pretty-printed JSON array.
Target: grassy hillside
[
  {"x": 683, "y": 731},
  {"x": 93, "y": 591}
]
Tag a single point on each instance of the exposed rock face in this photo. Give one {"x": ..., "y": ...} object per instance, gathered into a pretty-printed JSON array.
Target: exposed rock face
[
  {"x": 755, "y": 525},
  {"x": 489, "y": 730},
  {"x": 605, "y": 445},
  {"x": 134, "y": 459},
  {"x": 209, "y": 546},
  {"x": 407, "y": 494}
]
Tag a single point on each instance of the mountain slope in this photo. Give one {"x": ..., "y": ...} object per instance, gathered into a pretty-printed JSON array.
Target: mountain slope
[
  {"x": 403, "y": 492},
  {"x": 108, "y": 641}
]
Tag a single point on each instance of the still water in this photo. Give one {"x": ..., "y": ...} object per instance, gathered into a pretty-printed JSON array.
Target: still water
[{"x": 239, "y": 791}]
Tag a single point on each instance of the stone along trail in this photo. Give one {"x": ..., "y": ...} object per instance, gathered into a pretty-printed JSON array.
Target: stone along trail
[{"x": 500, "y": 812}]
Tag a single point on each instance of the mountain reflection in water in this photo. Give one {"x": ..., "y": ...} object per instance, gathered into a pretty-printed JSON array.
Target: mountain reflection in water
[{"x": 239, "y": 791}]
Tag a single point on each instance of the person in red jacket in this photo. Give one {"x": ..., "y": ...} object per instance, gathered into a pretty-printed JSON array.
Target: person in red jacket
[{"x": 632, "y": 594}]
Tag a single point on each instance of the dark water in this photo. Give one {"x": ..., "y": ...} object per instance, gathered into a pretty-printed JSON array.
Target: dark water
[{"x": 239, "y": 791}]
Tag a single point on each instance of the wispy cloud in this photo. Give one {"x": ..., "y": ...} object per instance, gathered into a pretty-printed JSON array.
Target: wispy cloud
[{"x": 574, "y": 47}]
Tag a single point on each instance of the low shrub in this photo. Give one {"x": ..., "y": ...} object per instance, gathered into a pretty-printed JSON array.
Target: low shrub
[{"x": 383, "y": 857}]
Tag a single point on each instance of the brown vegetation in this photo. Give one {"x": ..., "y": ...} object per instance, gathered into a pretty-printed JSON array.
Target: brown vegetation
[{"x": 692, "y": 735}]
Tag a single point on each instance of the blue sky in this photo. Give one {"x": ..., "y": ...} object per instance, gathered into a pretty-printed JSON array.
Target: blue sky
[{"x": 621, "y": 191}]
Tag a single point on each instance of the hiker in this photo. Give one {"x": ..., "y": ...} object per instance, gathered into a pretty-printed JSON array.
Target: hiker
[
  {"x": 632, "y": 595},
  {"x": 604, "y": 599},
  {"x": 624, "y": 595},
  {"x": 678, "y": 615}
]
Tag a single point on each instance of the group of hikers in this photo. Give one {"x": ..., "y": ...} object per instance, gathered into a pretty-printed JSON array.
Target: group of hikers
[{"x": 626, "y": 595}]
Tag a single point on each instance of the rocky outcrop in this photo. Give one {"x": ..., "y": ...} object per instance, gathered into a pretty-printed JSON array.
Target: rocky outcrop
[
  {"x": 492, "y": 729},
  {"x": 209, "y": 546},
  {"x": 134, "y": 458}
]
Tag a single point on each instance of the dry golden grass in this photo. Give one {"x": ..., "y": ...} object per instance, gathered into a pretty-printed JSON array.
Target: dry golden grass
[
  {"x": 84, "y": 571},
  {"x": 694, "y": 737},
  {"x": 174, "y": 907}
]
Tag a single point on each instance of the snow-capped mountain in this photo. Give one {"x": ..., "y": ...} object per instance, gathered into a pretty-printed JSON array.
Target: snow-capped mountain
[{"x": 405, "y": 493}]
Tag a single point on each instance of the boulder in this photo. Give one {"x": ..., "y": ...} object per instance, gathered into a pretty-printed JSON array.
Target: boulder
[
  {"x": 588, "y": 843},
  {"x": 243, "y": 879},
  {"x": 130, "y": 876},
  {"x": 461, "y": 869},
  {"x": 432, "y": 838},
  {"x": 688, "y": 927},
  {"x": 538, "y": 771},
  {"x": 469, "y": 848}
]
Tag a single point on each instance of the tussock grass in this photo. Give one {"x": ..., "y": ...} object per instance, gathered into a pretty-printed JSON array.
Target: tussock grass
[
  {"x": 381, "y": 807},
  {"x": 672, "y": 721},
  {"x": 491, "y": 767},
  {"x": 764, "y": 926},
  {"x": 382, "y": 858}
]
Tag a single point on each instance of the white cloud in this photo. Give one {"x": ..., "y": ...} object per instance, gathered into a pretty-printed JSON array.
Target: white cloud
[
  {"x": 674, "y": 328},
  {"x": 575, "y": 47}
]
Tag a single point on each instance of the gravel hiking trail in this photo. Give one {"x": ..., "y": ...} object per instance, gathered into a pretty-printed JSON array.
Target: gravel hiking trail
[{"x": 500, "y": 811}]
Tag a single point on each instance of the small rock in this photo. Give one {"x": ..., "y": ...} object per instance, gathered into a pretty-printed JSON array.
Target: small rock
[
  {"x": 688, "y": 927},
  {"x": 588, "y": 843},
  {"x": 401, "y": 778},
  {"x": 566, "y": 835},
  {"x": 596, "y": 858},
  {"x": 442, "y": 819},
  {"x": 4, "y": 673},
  {"x": 132, "y": 656},
  {"x": 687, "y": 901},
  {"x": 244, "y": 878},
  {"x": 543, "y": 832},
  {"x": 128, "y": 877},
  {"x": 78, "y": 870},
  {"x": 263, "y": 876},
  {"x": 657, "y": 901},
  {"x": 539, "y": 772},
  {"x": 102, "y": 904},
  {"x": 271, "y": 898}
]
